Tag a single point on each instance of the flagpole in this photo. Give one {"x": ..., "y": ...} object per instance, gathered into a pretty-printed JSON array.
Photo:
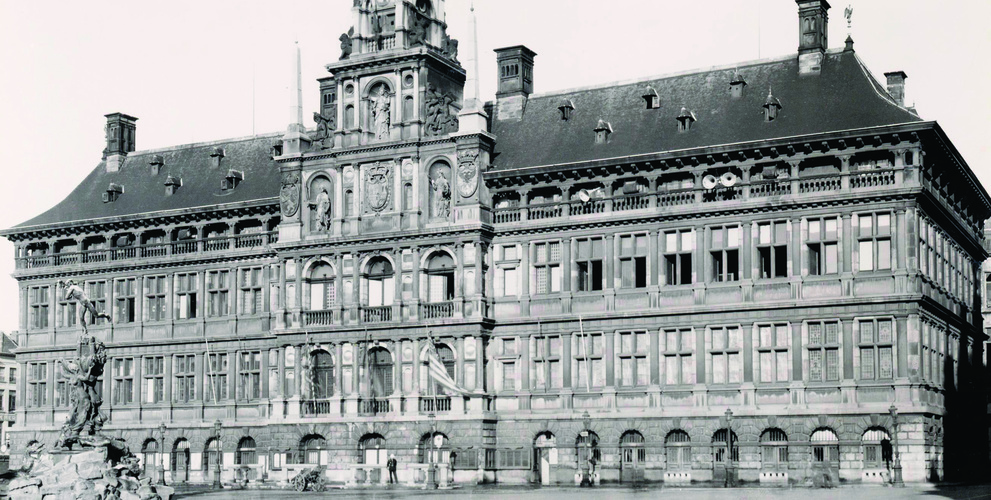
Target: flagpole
[{"x": 588, "y": 369}]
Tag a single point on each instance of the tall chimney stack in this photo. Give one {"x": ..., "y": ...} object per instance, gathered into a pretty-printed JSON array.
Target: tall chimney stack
[
  {"x": 896, "y": 86},
  {"x": 119, "y": 132},
  {"x": 813, "y": 19},
  {"x": 515, "y": 66}
]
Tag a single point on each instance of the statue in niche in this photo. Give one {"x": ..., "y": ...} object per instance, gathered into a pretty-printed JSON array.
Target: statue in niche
[
  {"x": 441, "y": 196},
  {"x": 76, "y": 293},
  {"x": 84, "y": 422},
  {"x": 381, "y": 104},
  {"x": 449, "y": 47},
  {"x": 439, "y": 119},
  {"x": 325, "y": 124},
  {"x": 308, "y": 383},
  {"x": 347, "y": 44},
  {"x": 321, "y": 210}
]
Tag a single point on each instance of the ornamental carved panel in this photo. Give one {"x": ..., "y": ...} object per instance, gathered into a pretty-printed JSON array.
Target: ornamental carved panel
[
  {"x": 378, "y": 187},
  {"x": 289, "y": 194},
  {"x": 467, "y": 172}
]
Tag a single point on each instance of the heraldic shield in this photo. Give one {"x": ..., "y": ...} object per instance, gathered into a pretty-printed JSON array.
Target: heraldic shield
[{"x": 378, "y": 184}]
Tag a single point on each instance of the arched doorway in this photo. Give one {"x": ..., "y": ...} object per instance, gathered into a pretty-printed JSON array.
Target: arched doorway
[
  {"x": 310, "y": 448},
  {"x": 149, "y": 458},
  {"x": 774, "y": 450},
  {"x": 587, "y": 451},
  {"x": 678, "y": 450},
  {"x": 372, "y": 449},
  {"x": 180, "y": 460},
  {"x": 434, "y": 448},
  {"x": 633, "y": 456},
  {"x": 212, "y": 456},
  {"x": 544, "y": 455},
  {"x": 721, "y": 441},
  {"x": 877, "y": 448}
]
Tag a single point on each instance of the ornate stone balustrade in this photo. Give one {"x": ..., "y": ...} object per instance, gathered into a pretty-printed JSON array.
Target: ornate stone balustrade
[{"x": 436, "y": 310}]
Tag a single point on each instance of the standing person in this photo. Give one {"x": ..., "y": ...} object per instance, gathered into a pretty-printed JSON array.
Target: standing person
[{"x": 391, "y": 464}]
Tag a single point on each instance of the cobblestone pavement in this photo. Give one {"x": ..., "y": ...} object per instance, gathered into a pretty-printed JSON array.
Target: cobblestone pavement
[{"x": 928, "y": 492}]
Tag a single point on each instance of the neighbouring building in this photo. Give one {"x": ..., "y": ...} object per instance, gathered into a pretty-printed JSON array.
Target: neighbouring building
[
  {"x": 8, "y": 389},
  {"x": 771, "y": 265}
]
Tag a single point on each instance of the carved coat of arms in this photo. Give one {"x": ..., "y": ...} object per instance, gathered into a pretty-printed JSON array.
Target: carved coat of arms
[
  {"x": 289, "y": 195},
  {"x": 467, "y": 172},
  {"x": 378, "y": 186}
]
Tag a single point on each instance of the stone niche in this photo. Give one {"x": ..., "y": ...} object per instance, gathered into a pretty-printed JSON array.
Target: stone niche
[{"x": 440, "y": 191}]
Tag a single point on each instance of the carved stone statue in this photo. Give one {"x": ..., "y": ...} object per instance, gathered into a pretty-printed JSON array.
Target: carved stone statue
[
  {"x": 325, "y": 124},
  {"x": 322, "y": 210},
  {"x": 307, "y": 387},
  {"x": 85, "y": 422},
  {"x": 418, "y": 30},
  {"x": 381, "y": 106},
  {"x": 439, "y": 119},
  {"x": 346, "y": 43},
  {"x": 441, "y": 195},
  {"x": 76, "y": 293},
  {"x": 449, "y": 46}
]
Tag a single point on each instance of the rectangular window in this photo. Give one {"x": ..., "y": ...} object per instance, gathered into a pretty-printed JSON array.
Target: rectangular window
[
  {"x": 217, "y": 290},
  {"x": 679, "y": 363},
  {"x": 37, "y": 384},
  {"x": 590, "y": 253},
  {"x": 67, "y": 315},
  {"x": 548, "y": 370},
  {"x": 824, "y": 351},
  {"x": 184, "y": 376},
  {"x": 874, "y": 241},
  {"x": 823, "y": 246},
  {"x": 155, "y": 289},
  {"x": 124, "y": 291},
  {"x": 507, "y": 271},
  {"x": 633, "y": 260},
  {"x": 38, "y": 303},
  {"x": 508, "y": 376},
  {"x": 251, "y": 291},
  {"x": 772, "y": 249},
  {"x": 547, "y": 267},
  {"x": 249, "y": 375},
  {"x": 631, "y": 355},
  {"x": 97, "y": 293},
  {"x": 724, "y": 250},
  {"x": 61, "y": 391},
  {"x": 11, "y": 403},
  {"x": 587, "y": 352},
  {"x": 185, "y": 295},
  {"x": 216, "y": 378},
  {"x": 725, "y": 355},
  {"x": 123, "y": 381},
  {"x": 875, "y": 343},
  {"x": 678, "y": 248},
  {"x": 772, "y": 352},
  {"x": 154, "y": 375}
]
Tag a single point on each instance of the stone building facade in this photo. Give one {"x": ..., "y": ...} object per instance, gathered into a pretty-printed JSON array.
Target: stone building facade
[
  {"x": 770, "y": 266},
  {"x": 8, "y": 389}
]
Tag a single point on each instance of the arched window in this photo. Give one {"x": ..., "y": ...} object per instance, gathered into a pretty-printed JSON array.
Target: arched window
[
  {"x": 180, "y": 460},
  {"x": 349, "y": 203},
  {"x": 323, "y": 374},
  {"x": 877, "y": 448},
  {"x": 372, "y": 449},
  {"x": 440, "y": 278},
  {"x": 446, "y": 356},
  {"x": 825, "y": 447},
  {"x": 211, "y": 453},
  {"x": 719, "y": 446},
  {"x": 149, "y": 458},
  {"x": 587, "y": 445},
  {"x": 631, "y": 444},
  {"x": 774, "y": 449},
  {"x": 246, "y": 452},
  {"x": 349, "y": 117},
  {"x": 323, "y": 292},
  {"x": 310, "y": 447},
  {"x": 545, "y": 439},
  {"x": 380, "y": 362},
  {"x": 380, "y": 281},
  {"x": 408, "y": 109},
  {"x": 408, "y": 196},
  {"x": 678, "y": 448},
  {"x": 434, "y": 448}
]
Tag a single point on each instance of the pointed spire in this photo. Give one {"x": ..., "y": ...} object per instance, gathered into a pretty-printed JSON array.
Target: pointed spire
[
  {"x": 296, "y": 140},
  {"x": 472, "y": 118}
]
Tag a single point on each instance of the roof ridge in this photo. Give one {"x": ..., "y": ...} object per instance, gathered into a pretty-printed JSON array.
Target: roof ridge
[{"x": 207, "y": 143}]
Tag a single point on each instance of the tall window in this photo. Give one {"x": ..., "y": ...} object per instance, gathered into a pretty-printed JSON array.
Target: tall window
[
  {"x": 123, "y": 381},
  {"x": 323, "y": 371},
  {"x": 823, "y": 246},
  {"x": 217, "y": 289},
  {"x": 249, "y": 375},
  {"x": 875, "y": 344},
  {"x": 772, "y": 352},
  {"x": 184, "y": 374},
  {"x": 62, "y": 394},
  {"x": 380, "y": 289},
  {"x": 633, "y": 260},
  {"x": 587, "y": 351},
  {"x": 726, "y": 355},
  {"x": 154, "y": 375},
  {"x": 588, "y": 261},
  {"x": 874, "y": 241},
  {"x": 877, "y": 445},
  {"x": 508, "y": 354},
  {"x": 507, "y": 273},
  {"x": 323, "y": 292},
  {"x": 310, "y": 448},
  {"x": 679, "y": 363},
  {"x": 725, "y": 253},
  {"x": 38, "y": 301},
  {"x": 246, "y": 454},
  {"x": 772, "y": 249},
  {"x": 124, "y": 291},
  {"x": 548, "y": 371},
  {"x": 825, "y": 447},
  {"x": 720, "y": 444},
  {"x": 67, "y": 311},
  {"x": 632, "y": 356},
  {"x": 251, "y": 291},
  {"x": 185, "y": 295},
  {"x": 547, "y": 267},
  {"x": 926, "y": 250},
  {"x": 155, "y": 289},
  {"x": 97, "y": 292},
  {"x": 440, "y": 278},
  {"x": 216, "y": 377},
  {"x": 678, "y": 248},
  {"x": 774, "y": 449},
  {"x": 37, "y": 384},
  {"x": 678, "y": 448},
  {"x": 824, "y": 351}
]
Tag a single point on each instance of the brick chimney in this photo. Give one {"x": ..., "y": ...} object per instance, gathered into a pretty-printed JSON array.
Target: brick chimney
[
  {"x": 813, "y": 20},
  {"x": 515, "y": 67},
  {"x": 120, "y": 139},
  {"x": 896, "y": 86}
]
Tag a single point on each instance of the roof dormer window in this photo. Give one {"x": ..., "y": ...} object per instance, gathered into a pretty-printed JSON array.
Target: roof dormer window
[
  {"x": 216, "y": 155},
  {"x": 737, "y": 85},
  {"x": 156, "y": 163},
  {"x": 232, "y": 179},
  {"x": 651, "y": 98},
  {"x": 771, "y": 107},
  {"x": 112, "y": 193},
  {"x": 685, "y": 120},
  {"x": 172, "y": 184},
  {"x": 602, "y": 132},
  {"x": 566, "y": 108}
]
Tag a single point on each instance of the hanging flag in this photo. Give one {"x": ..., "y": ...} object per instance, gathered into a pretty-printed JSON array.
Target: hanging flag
[{"x": 438, "y": 372}]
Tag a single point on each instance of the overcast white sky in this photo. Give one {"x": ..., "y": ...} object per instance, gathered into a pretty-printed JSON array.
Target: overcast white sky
[{"x": 195, "y": 71}]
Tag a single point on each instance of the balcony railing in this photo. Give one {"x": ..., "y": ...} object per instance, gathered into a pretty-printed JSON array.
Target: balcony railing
[
  {"x": 313, "y": 407},
  {"x": 435, "y": 310},
  {"x": 819, "y": 185},
  {"x": 506, "y": 215},
  {"x": 546, "y": 211},
  {"x": 872, "y": 178},
  {"x": 436, "y": 405},
  {"x": 631, "y": 202},
  {"x": 374, "y": 406},
  {"x": 769, "y": 188},
  {"x": 157, "y": 249},
  {"x": 378, "y": 314},
  {"x": 318, "y": 318},
  {"x": 675, "y": 198},
  {"x": 587, "y": 207}
]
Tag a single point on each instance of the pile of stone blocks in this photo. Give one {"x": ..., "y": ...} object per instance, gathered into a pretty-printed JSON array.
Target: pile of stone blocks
[{"x": 82, "y": 475}]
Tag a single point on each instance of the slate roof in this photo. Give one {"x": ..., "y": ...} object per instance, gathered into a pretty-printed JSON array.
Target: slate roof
[
  {"x": 844, "y": 96},
  {"x": 7, "y": 345},
  {"x": 144, "y": 192}
]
